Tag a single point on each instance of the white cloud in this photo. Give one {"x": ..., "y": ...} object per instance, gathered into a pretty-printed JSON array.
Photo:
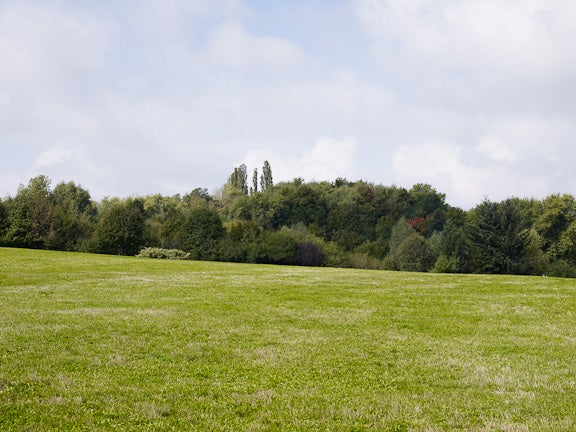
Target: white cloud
[
  {"x": 53, "y": 156},
  {"x": 427, "y": 162},
  {"x": 438, "y": 164},
  {"x": 529, "y": 140},
  {"x": 442, "y": 165},
  {"x": 521, "y": 37},
  {"x": 232, "y": 46},
  {"x": 330, "y": 158},
  {"x": 327, "y": 160},
  {"x": 42, "y": 46},
  {"x": 496, "y": 149}
]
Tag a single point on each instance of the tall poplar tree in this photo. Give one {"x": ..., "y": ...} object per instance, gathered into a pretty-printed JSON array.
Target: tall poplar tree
[
  {"x": 254, "y": 188},
  {"x": 239, "y": 179},
  {"x": 266, "y": 177}
]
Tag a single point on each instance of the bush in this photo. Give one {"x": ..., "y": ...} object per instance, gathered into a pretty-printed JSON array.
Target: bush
[
  {"x": 279, "y": 247},
  {"x": 231, "y": 251},
  {"x": 310, "y": 254},
  {"x": 313, "y": 250},
  {"x": 377, "y": 249},
  {"x": 446, "y": 264},
  {"x": 173, "y": 254},
  {"x": 562, "y": 268},
  {"x": 335, "y": 256},
  {"x": 201, "y": 233},
  {"x": 364, "y": 261},
  {"x": 414, "y": 254},
  {"x": 389, "y": 263}
]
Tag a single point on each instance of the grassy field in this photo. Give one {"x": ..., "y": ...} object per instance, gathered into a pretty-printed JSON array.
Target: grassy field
[{"x": 91, "y": 342}]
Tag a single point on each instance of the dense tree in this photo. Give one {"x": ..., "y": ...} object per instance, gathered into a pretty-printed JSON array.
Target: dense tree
[
  {"x": 120, "y": 229},
  {"x": 162, "y": 214},
  {"x": 562, "y": 268},
  {"x": 201, "y": 232},
  {"x": 452, "y": 246},
  {"x": 30, "y": 215},
  {"x": 74, "y": 217},
  {"x": 342, "y": 223},
  {"x": 414, "y": 254},
  {"x": 280, "y": 247},
  {"x": 344, "y": 226},
  {"x": 296, "y": 203},
  {"x": 557, "y": 215},
  {"x": 356, "y": 212},
  {"x": 198, "y": 197},
  {"x": 393, "y": 205},
  {"x": 242, "y": 242},
  {"x": 3, "y": 221},
  {"x": 498, "y": 246},
  {"x": 400, "y": 232},
  {"x": 427, "y": 208},
  {"x": 38, "y": 217},
  {"x": 74, "y": 198},
  {"x": 171, "y": 230},
  {"x": 565, "y": 247},
  {"x": 239, "y": 179},
  {"x": 534, "y": 260}
]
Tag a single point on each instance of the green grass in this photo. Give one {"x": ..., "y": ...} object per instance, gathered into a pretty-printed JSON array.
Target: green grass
[{"x": 91, "y": 342}]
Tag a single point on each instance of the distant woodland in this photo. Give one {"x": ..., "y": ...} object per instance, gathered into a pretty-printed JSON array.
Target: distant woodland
[{"x": 339, "y": 224}]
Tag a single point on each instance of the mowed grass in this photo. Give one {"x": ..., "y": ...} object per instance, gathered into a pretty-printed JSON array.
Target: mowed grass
[{"x": 91, "y": 342}]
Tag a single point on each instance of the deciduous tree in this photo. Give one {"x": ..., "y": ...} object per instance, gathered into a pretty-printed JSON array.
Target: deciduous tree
[
  {"x": 30, "y": 214},
  {"x": 201, "y": 232},
  {"x": 498, "y": 246},
  {"x": 414, "y": 254},
  {"x": 239, "y": 179},
  {"x": 120, "y": 229}
]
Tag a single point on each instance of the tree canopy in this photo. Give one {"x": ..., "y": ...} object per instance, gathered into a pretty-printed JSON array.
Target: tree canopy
[{"x": 343, "y": 223}]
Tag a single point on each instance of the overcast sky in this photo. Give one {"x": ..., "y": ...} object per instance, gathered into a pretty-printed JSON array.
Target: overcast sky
[{"x": 135, "y": 97}]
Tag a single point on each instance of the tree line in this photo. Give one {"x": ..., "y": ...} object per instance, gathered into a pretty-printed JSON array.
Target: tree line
[{"x": 341, "y": 224}]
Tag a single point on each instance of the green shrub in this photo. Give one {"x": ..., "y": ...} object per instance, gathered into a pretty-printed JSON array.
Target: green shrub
[
  {"x": 377, "y": 249},
  {"x": 335, "y": 256},
  {"x": 364, "y": 261},
  {"x": 389, "y": 263},
  {"x": 310, "y": 254},
  {"x": 232, "y": 251},
  {"x": 445, "y": 264},
  {"x": 280, "y": 247},
  {"x": 414, "y": 254},
  {"x": 202, "y": 232},
  {"x": 561, "y": 268},
  {"x": 173, "y": 254}
]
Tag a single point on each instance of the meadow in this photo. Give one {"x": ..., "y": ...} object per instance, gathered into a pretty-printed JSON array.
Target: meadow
[{"x": 95, "y": 342}]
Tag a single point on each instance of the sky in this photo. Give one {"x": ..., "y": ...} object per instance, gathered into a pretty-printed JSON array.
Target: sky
[{"x": 138, "y": 97}]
